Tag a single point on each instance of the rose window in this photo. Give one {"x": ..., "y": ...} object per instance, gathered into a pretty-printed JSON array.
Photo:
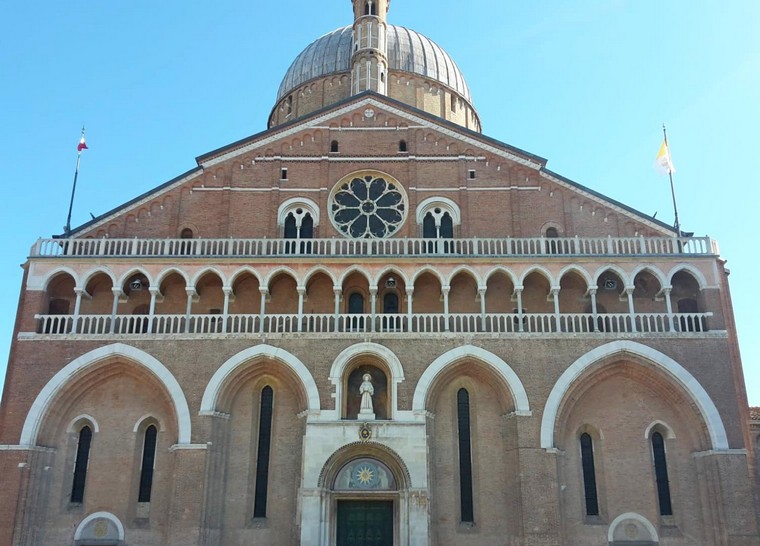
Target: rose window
[{"x": 368, "y": 206}]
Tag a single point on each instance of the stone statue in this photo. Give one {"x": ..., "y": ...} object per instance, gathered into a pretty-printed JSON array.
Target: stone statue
[{"x": 366, "y": 390}]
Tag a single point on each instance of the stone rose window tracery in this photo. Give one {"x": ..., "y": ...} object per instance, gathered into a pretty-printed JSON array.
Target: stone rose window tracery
[{"x": 368, "y": 205}]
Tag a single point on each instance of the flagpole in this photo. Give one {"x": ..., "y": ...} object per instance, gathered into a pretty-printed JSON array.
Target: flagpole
[
  {"x": 67, "y": 229},
  {"x": 672, "y": 186}
]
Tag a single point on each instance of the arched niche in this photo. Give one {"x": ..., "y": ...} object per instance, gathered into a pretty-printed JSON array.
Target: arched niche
[
  {"x": 102, "y": 528},
  {"x": 365, "y": 356}
]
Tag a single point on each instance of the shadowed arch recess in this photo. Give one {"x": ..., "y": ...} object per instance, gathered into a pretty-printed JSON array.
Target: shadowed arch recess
[
  {"x": 707, "y": 408},
  {"x": 248, "y": 357},
  {"x": 453, "y": 357},
  {"x": 79, "y": 366}
]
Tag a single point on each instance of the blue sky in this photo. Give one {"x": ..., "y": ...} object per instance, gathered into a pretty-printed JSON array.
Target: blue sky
[{"x": 586, "y": 84}]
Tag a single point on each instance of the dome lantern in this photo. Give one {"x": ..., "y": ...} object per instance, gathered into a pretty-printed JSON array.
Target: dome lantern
[{"x": 369, "y": 58}]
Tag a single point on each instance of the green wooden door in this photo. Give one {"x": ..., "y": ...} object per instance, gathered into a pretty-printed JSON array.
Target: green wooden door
[{"x": 365, "y": 523}]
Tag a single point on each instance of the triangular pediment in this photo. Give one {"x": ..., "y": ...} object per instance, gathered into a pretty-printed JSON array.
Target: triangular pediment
[{"x": 364, "y": 113}]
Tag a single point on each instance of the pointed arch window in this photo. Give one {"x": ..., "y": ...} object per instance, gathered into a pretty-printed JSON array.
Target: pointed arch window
[
  {"x": 148, "y": 462},
  {"x": 262, "y": 454},
  {"x": 589, "y": 475},
  {"x": 299, "y": 224},
  {"x": 661, "y": 475},
  {"x": 81, "y": 463},
  {"x": 465, "y": 457}
]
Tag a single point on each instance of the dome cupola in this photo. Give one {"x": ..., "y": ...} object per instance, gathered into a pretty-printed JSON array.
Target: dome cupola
[{"x": 372, "y": 55}]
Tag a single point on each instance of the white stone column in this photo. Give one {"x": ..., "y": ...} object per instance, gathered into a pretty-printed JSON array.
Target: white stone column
[
  {"x": 116, "y": 295},
  {"x": 154, "y": 292},
  {"x": 226, "y": 310},
  {"x": 373, "y": 306},
  {"x": 337, "y": 291},
  {"x": 669, "y": 304},
  {"x": 518, "y": 293},
  {"x": 409, "y": 303},
  {"x": 555, "y": 297},
  {"x": 262, "y": 308},
  {"x": 594, "y": 310},
  {"x": 482, "y": 295},
  {"x": 445, "y": 291},
  {"x": 301, "y": 293},
  {"x": 77, "y": 305},
  {"x": 631, "y": 310},
  {"x": 189, "y": 306}
]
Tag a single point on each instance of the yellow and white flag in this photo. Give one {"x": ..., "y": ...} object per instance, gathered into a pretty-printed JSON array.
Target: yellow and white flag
[{"x": 664, "y": 163}]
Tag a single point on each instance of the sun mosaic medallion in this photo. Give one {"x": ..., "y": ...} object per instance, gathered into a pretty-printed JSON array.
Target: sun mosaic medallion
[
  {"x": 364, "y": 474},
  {"x": 368, "y": 205}
]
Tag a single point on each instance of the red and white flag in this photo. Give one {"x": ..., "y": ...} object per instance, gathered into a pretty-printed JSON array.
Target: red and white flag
[{"x": 82, "y": 144}]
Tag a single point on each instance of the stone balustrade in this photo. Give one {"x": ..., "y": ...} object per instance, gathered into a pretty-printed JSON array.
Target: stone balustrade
[
  {"x": 412, "y": 247},
  {"x": 422, "y": 323}
]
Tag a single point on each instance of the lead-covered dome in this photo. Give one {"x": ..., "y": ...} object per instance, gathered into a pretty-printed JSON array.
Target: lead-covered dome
[
  {"x": 408, "y": 51},
  {"x": 419, "y": 73}
]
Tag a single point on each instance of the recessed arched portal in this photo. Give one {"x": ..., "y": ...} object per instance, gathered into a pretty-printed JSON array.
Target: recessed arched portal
[{"x": 365, "y": 492}]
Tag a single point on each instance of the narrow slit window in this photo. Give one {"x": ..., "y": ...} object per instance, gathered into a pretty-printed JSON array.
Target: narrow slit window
[
  {"x": 402, "y": 146},
  {"x": 81, "y": 463},
  {"x": 148, "y": 462},
  {"x": 283, "y": 173},
  {"x": 465, "y": 457},
  {"x": 589, "y": 475},
  {"x": 262, "y": 455},
  {"x": 471, "y": 174},
  {"x": 661, "y": 474},
  {"x": 334, "y": 147}
]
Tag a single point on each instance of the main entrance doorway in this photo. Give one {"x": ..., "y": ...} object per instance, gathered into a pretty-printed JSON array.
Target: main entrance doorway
[{"x": 365, "y": 523}]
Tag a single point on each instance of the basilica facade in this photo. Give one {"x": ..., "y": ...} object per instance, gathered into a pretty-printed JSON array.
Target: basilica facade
[{"x": 370, "y": 324}]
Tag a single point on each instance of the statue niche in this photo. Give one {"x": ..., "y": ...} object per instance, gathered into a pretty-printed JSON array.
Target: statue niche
[{"x": 367, "y": 398}]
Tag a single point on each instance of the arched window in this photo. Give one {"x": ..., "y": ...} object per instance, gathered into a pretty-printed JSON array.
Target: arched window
[
  {"x": 356, "y": 307},
  {"x": 289, "y": 105},
  {"x": 80, "y": 465},
  {"x": 402, "y": 146},
  {"x": 589, "y": 475},
  {"x": 465, "y": 457},
  {"x": 447, "y": 226},
  {"x": 552, "y": 247},
  {"x": 298, "y": 225},
  {"x": 291, "y": 229},
  {"x": 429, "y": 230},
  {"x": 438, "y": 224},
  {"x": 148, "y": 462},
  {"x": 185, "y": 248},
  {"x": 390, "y": 303},
  {"x": 356, "y": 304},
  {"x": 262, "y": 454},
  {"x": 438, "y": 216},
  {"x": 661, "y": 474},
  {"x": 334, "y": 147}
]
